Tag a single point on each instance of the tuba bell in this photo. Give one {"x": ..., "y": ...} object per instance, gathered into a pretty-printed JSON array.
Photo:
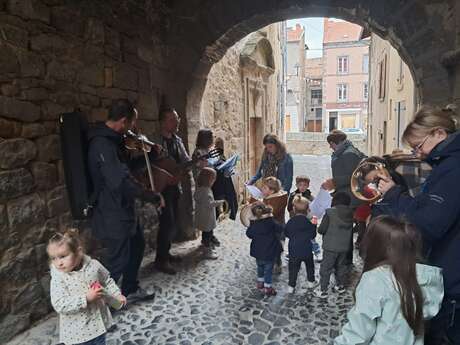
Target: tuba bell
[{"x": 364, "y": 180}]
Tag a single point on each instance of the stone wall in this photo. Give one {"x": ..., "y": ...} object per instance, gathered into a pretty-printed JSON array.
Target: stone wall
[
  {"x": 309, "y": 143},
  {"x": 56, "y": 58}
]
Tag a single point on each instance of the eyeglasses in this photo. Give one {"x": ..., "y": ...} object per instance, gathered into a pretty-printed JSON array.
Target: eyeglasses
[{"x": 417, "y": 148}]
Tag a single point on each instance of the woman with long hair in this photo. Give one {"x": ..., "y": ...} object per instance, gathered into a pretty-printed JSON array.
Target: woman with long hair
[
  {"x": 275, "y": 162},
  {"x": 433, "y": 137},
  {"x": 395, "y": 294}
]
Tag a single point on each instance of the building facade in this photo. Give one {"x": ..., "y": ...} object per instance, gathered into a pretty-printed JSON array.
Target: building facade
[
  {"x": 244, "y": 98},
  {"x": 314, "y": 94},
  {"x": 392, "y": 97},
  {"x": 295, "y": 78},
  {"x": 345, "y": 77}
]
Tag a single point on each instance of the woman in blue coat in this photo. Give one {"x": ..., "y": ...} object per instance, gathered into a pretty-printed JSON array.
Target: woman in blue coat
[
  {"x": 275, "y": 162},
  {"x": 435, "y": 211}
]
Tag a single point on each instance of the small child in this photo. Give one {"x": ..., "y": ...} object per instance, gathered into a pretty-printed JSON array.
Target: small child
[
  {"x": 302, "y": 183},
  {"x": 80, "y": 290},
  {"x": 395, "y": 294},
  {"x": 337, "y": 230},
  {"x": 265, "y": 245},
  {"x": 275, "y": 197},
  {"x": 300, "y": 232},
  {"x": 205, "y": 210}
]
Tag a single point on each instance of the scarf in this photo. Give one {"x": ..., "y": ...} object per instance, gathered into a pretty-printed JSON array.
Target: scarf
[{"x": 271, "y": 168}]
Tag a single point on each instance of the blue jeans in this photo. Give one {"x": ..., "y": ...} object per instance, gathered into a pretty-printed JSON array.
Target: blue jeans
[
  {"x": 315, "y": 247},
  {"x": 100, "y": 340},
  {"x": 264, "y": 271}
]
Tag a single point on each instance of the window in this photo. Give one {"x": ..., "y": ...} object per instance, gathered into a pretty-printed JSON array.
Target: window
[
  {"x": 342, "y": 65},
  {"x": 366, "y": 63},
  {"x": 365, "y": 91},
  {"x": 348, "y": 121},
  {"x": 316, "y": 97},
  {"x": 342, "y": 92},
  {"x": 319, "y": 113}
]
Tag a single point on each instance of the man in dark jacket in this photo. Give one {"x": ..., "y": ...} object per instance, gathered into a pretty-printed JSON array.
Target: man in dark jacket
[{"x": 114, "y": 221}]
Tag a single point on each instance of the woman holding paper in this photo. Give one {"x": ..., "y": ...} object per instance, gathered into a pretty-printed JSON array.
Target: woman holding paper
[{"x": 275, "y": 162}]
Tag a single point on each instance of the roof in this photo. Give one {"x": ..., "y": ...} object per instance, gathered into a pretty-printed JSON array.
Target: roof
[
  {"x": 295, "y": 34},
  {"x": 341, "y": 31}
]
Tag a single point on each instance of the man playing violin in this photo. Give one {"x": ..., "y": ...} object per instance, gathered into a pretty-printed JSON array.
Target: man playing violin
[
  {"x": 175, "y": 149},
  {"x": 114, "y": 221}
]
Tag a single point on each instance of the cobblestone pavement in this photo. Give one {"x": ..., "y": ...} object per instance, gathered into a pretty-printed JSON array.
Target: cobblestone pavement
[{"x": 216, "y": 302}]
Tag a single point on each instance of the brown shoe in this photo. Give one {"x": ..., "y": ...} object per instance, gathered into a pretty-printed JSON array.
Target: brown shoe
[
  {"x": 269, "y": 291},
  {"x": 165, "y": 267},
  {"x": 175, "y": 259}
]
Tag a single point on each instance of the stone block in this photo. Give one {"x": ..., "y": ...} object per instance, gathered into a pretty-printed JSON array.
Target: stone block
[
  {"x": 33, "y": 130},
  {"x": 29, "y": 9},
  {"x": 108, "y": 74},
  {"x": 125, "y": 77},
  {"x": 35, "y": 94},
  {"x": 25, "y": 211},
  {"x": 45, "y": 175},
  {"x": 65, "y": 221},
  {"x": 49, "y": 44},
  {"x": 61, "y": 71},
  {"x": 49, "y": 148},
  {"x": 93, "y": 75},
  {"x": 8, "y": 59},
  {"x": 147, "y": 105},
  {"x": 14, "y": 183},
  {"x": 12, "y": 324},
  {"x": 3, "y": 220},
  {"x": 145, "y": 53},
  {"x": 89, "y": 100},
  {"x": 99, "y": 114},
  {"x": 16, "y": 152},
  {"x": 66, "y": 98},
  {"x": 144, "y": 82},
  {"x": 128, "y": 44},
  {"x": 95, "y": 31},
  {"x": 51, "y": 110},
  {"x": 26, "y": 296},
  {"x": 14, "y": 35},
  {"x": 148, "y": 128},
  {"x": 111, "y": 93},
  {"x": 18, "y": 110},
  {"x": 112, "y": 37},
  {"x": 60, "y": 170},
  {"x": 10, "y": 90},
  {"x": 31, "y": 65},
  {"x": 9, "y": 129},
  {"x": 68, "y": 20},
  {"x": 51, "y": 127},
  {"x": 57, "y": 201}
]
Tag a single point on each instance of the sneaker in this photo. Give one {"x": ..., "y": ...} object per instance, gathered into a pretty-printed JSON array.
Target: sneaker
[
  {"x": 291, "y": 289},
  {"x": 215, "y": 241},
  {"x": 339, "y": 288},
  {"x": 321, "y": 294},
  {"x": 260, "y": 285},
  {"x": 165, "y": 267},
  {"x": 210, "y": 253},
  {"x": 269, "y": 291},
  {"x": 311, "y": 285},
  {"x": 140, "y": 295}
]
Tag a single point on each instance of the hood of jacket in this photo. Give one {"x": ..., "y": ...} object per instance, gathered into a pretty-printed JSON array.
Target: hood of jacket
[
  {"x": 450, "y": 147},
  {"x": 342, "y": 214}
]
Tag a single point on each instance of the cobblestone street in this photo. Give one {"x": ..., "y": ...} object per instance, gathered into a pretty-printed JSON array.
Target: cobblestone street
[{"x": 216, "y": 302}]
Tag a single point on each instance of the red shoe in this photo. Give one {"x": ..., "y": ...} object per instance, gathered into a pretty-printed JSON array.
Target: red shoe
[
  {"x": 269, "y": 291},
  {"x": 260, "y": 285}
]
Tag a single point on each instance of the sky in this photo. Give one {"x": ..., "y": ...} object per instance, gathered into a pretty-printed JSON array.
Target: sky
[{"x": 313, "y": 34}]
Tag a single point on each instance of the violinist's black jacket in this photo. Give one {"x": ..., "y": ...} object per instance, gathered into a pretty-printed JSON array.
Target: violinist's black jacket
[{"x": 113, "y": 215}]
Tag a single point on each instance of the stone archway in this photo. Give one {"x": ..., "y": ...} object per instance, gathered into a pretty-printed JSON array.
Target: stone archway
[{"x": 424, "y": 34}]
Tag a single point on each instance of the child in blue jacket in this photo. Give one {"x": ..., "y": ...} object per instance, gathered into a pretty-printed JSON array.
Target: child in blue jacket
[
  {"x": 265, "y": 245},
  {"x": 300, "y": 232}
]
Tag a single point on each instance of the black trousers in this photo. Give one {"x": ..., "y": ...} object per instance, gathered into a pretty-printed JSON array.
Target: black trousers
[
  {"x": 206, "y": 237},
  {"x": 124, "y": 257},
  {"x": 294, "y": 268},
  {"x": 168, "y": 223},
  {"x": 444, "y": 328}
]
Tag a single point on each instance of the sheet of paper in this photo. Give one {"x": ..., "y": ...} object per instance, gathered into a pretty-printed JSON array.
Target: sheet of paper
[
  {"x": 254, "y": 191},
  {"x": 322, "y": 202}
]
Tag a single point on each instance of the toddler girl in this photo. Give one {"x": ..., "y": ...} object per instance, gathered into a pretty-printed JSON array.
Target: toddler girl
[
  {"x": 265, "y": 245},
  {"x": 80, "y": 290},
  {"x": 205, "y": 210}
]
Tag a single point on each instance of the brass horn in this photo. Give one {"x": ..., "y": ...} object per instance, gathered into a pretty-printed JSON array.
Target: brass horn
[{"x": 364, "y": 180}]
